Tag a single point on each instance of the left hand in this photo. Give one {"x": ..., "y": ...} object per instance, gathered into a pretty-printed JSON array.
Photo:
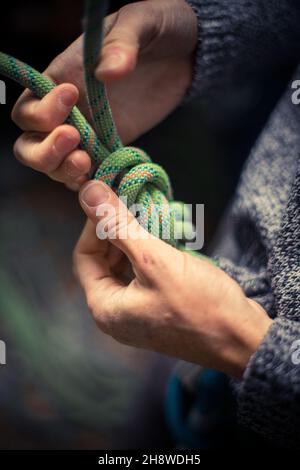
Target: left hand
[
  {"x": 147, "y": 294},
  {"x": 141, "y": 69}
]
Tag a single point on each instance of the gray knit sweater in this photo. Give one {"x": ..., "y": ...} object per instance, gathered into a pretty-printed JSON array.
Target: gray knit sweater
[{"x": 236, "y": 39}]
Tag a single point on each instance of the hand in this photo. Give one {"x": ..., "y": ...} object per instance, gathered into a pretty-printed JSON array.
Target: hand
[
  {"x": 147, "y": 294},
  {"x": 146, "y": 63}
]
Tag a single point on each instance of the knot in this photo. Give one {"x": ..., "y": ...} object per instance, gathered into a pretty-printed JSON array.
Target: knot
[
  {"x": 145, "y": 187},
  {"x": 130, "y": 172}
]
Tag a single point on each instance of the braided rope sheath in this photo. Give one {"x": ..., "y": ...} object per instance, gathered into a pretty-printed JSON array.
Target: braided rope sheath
[{"x": 127, "y": 170}]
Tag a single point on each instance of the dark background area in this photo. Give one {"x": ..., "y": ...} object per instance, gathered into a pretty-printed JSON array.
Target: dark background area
[{"x": 39, "y": 223}]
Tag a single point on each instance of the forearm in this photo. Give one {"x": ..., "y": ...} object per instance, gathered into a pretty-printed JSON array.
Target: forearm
[
  {"x": 240, "y": 37},
  {"x": 268, "y": 394}
]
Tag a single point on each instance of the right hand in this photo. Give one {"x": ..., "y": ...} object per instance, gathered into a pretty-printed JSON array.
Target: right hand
[{"x": 146, "y": 64}]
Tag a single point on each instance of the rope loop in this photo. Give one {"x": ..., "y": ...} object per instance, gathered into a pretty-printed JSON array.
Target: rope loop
[
  {"x": 127, "y": 170},
  {"x": 144, "y": 186}
]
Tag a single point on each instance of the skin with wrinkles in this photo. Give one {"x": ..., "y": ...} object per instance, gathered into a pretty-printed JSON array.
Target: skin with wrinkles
[{"x": 140, "y": 290}]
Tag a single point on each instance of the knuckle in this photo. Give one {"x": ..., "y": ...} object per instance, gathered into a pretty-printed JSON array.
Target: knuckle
[
  {"x": 75, "y": 267},
  {"x": 15, "y": 114},
  {"x": 39, "y": 160},
  {"x": 75, "y": 257},
  {"x": 17, "y": 149},
  {"x": 99, "y": 313},
  {"x": 27, "y": 152},
  {"x": 123, "y": 219},
  {"x": 39, "y": 164},
  {"x": 151, "y": 261},
  {"x": 41, "y": 120},
  {"x": 146, "y": 260},
  {"x": 127, "y": 9},
  {"x": 31, "y": 116},
  {"x": 113, "y": 222},
  {"x": 92, "y": 304},
  {"x": 143, "y": 13},
  {"x": 140, "y": 8},
  {"x": 56, "y": 176},
  {"x": 103, "y": 324}
]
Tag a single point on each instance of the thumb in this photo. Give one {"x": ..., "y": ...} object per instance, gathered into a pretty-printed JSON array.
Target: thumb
[
  {"x": 114, "y": 221},
  {"x": 129, "y": 30}
]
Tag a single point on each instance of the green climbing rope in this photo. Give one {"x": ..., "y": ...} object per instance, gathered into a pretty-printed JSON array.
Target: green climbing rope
[{"x": 128, "y": 170}]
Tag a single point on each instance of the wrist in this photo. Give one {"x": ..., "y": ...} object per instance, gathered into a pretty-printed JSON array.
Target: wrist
[{"x": 249, "y": 337}]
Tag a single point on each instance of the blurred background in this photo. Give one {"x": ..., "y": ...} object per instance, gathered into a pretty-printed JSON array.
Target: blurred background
[{"x": 66, "y": 385}]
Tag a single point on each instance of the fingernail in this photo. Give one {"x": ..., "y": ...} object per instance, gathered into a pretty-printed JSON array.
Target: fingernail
[
  {"x": 112, "y": 61},
  {"x": 64, "y": 144},
  {"x": 94, "y": 194},
  {"x": 73, "y": 169},
  {"x": 67, "y": 98}
]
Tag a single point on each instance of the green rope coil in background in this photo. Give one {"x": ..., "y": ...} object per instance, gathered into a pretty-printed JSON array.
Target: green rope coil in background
[{"x": 127, "y": 170}]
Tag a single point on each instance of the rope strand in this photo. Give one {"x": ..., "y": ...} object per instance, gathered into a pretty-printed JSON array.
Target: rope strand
[{"x": 127, "y": 170}]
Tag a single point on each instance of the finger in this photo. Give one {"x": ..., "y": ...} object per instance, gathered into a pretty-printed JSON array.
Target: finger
[
  {"x": 92, "y": 269},
  {"x": 89, "y": 250},
  {"x": 116, "y": 223},
  {"x": 32, "y": 114},
  {"x": 111, "y": 301},
  {"x": 76, "y": 185},
  {"x": 130, "y": 30},
  {"x": 74, "y": 169},
  {"x": 46, "y": 154}
]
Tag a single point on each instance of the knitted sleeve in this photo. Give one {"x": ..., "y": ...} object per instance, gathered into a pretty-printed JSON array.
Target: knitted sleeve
[
  {"x": 269, "y": 395},
  {"x": 238, "y": 38}
]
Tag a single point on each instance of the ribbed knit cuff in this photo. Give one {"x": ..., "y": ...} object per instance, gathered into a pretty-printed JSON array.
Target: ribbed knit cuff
[
  {"x": 238, "y": 38},
  {"x": 269, "y": 395},
  {"x": 215, "y": 49},
  {"x": 255, "y": 284}
]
